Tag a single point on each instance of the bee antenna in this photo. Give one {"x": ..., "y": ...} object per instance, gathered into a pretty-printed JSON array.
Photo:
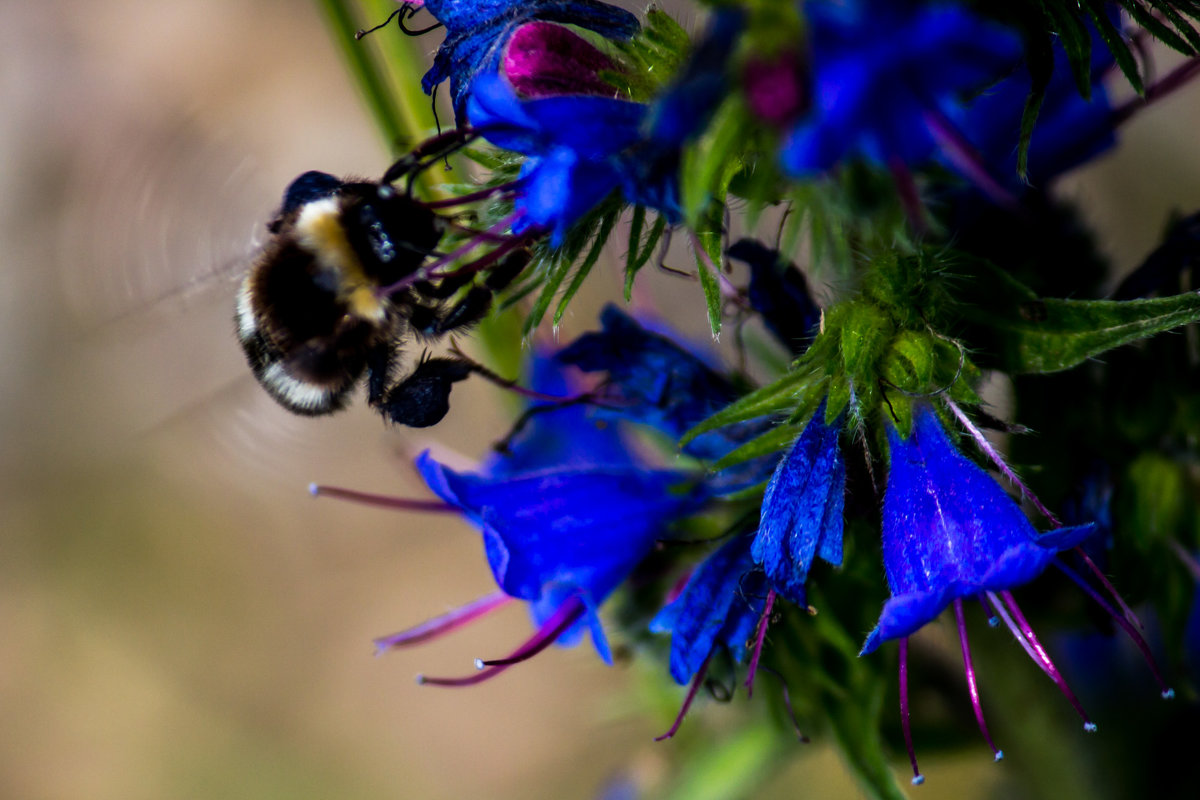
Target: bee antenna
[
  {"x": 402, "y": 9},
  {"x": 410, "y": 11}
]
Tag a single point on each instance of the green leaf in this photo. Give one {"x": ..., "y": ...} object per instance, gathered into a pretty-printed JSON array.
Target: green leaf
[
  {"x": 1043, "y": 336},
  {"x": 710, "y": 164},
  {"x": 709, "y": 244},
  {"x": 639, "y": 252},
  {"x": 1116, "y": 44},
  {"x": 606, "y": 226},
  {"x": 770, "y": 442},
  {"x": 770, "y": 399},
  {"x": 1157, "y": 28},
  {"x": 559, "y": 266}
]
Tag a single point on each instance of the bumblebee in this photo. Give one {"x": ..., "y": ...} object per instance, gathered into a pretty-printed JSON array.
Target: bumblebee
[{"x": 341, "y": 287}]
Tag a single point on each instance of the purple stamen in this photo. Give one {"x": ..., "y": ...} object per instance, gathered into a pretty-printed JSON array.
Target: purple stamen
[
  {"x": 551, "y": 629},
  {"x": 381, "y": 500},
  {"x": 972, "y": 687},
  {"x": 993, "y": 620},
  {"x": 438, "y": 626},
  {"x": 1165, "y": 86},
  {"x": 759, "y": 638},
  {"x": 1138, "y": 639},
  {"x": 1192, "y": 565},
  {"x": 482, "y": 194},
  {"x": 430, "y": 270},
  {"x": 1112, "y": 590},
  {"x": 687, "y": 701},
  {"x": 564, "y": 617},
  {"x": 994, "y": 456},
  {"x": 918, "y": 778},
  {"x": 966, "y": 158},
  {"x": 910, "y": 198},
  {"x": 787, "y": 704},
  {"x": 1024, "y": 634}
]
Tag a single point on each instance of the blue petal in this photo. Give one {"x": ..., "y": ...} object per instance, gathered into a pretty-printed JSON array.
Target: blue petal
[
  {"x": 720, "y": 604},
  {"x": 802, "y": 509}
]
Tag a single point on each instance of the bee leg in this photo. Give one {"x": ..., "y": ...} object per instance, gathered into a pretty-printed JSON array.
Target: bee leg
[
  {"x": 427, "y": 153},
  {"x": 381, "y": 361},
  {"x": 423, "y": 398},
  {"x": 467, "y": 312}
]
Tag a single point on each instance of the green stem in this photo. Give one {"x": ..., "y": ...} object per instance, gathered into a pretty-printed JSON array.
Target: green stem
[{"x": 386, "y": 68}]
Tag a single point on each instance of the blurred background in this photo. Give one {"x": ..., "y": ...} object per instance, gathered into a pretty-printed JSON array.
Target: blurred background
[{"x": 178, "y": 618}]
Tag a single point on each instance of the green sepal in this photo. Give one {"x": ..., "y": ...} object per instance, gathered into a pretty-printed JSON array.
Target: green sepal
[
  {"x": 866, "y": 332},
  {"x": 911, "y": 362},
  {"x": 648, "y": 60},
  {"x": 773, "y": 441},
  {"x": 837, "y": 399},
  {"x": 899, "y": 411},
  {"x": 770, "y": 399}
]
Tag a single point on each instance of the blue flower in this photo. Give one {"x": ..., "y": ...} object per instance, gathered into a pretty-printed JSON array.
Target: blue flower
[
  {"x": 802, "y": 509},
  {"x": 883, "y": 70},
  {"x": 566, "y": 534},
  {"x": 720, "y": 605},
  {"x": 477, "y": 30},
  {"x": 950, "y": 532},
  {"x": 779, "y": 293},
  {"x": 579, "y": 150},
  {"x": 658, "y": 383},
  {"x": 1070, "y": 129}
]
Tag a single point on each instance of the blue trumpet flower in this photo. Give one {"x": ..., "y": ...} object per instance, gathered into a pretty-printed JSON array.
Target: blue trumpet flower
[
  {"x": 477, "y": 30},
  {"x": 886, "y": 75},
  {"x": 950, "y": 533}
]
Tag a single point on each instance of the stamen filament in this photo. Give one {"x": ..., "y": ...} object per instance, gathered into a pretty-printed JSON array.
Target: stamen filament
[
  {"x": 381, "y": 500},
  {"x": 1165, "y": 86},
  {"x": 966, "y": 158},
  {"x": 556, "y": 625},
  {"x": 905, "y": 723},
  {"x": 910, "y": 197},
  {"x": 482, "y": 194},
  {"x": 438, "y": 626},
  {"x": 994, "y": 456},
  {"x": 1138, "y": 639},
  {"x": 993, "y": 619},
  {"x": 687, "y": 701},
  {"x": 427, "y": 272},
  {"x": 533, "y": 645},
  {"x": 1112, "y": 590},
  {"x": 759, "y": 638},
  {"x": 972, "y": 687},
  {"x": 787, "y": 704},
  {"x": 1024, "y": 634}
]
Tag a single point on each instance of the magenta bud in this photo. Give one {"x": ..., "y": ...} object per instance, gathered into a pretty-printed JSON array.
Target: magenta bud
[
  {"x": 776, "y": 88},
  {"x": 544, "y": 60}
]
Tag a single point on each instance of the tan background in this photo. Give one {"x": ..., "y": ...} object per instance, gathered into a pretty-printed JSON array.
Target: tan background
[{"x": 178, "y": 619}]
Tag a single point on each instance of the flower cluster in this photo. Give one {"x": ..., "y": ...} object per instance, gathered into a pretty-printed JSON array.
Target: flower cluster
[{"x": 904, "y": 152}]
